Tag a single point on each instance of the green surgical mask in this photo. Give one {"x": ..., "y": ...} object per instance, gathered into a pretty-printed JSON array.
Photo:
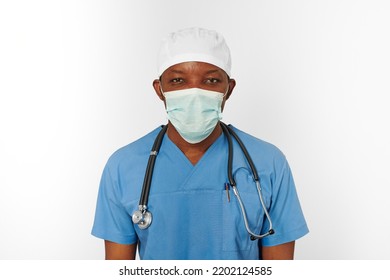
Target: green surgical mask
[{"x": 194, "y": 112}]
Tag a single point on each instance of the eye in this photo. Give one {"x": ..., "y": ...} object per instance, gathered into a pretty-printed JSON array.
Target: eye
[
  {"x": 176, "y": 80},
  {"x": 212, "y": 81}
]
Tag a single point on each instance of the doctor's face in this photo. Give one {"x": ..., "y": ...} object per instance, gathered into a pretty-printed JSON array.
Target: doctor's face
[{"x": 194, "y": 75}]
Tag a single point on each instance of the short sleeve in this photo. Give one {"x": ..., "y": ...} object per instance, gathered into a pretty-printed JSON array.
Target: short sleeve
[
  {"x": 285, "y": 210},
  {"x": 112, "y": 222}
]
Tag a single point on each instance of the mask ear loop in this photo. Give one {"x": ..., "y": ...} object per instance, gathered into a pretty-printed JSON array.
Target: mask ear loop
[
  {"x": 223, "y": 98},
  {"x": 162, "y": 92},
  {"x": 226, "y": 92}
]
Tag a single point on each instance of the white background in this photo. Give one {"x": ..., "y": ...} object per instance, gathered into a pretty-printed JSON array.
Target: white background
[{"x": 75, "y": 85}]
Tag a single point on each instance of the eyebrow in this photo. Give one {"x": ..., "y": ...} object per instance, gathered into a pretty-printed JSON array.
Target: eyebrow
[{"x": 212, "y": 71}]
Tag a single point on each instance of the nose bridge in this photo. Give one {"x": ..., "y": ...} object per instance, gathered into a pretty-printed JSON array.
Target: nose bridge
[{"x": 194, "y": 81}]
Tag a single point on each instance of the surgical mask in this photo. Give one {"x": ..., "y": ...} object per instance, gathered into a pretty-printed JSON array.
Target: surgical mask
[{"x": 194, "y": 112}]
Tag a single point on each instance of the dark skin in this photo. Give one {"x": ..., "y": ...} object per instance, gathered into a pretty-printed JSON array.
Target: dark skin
[
  {"x": 209, "y": 77},
  {"x": 194, "y": 75}
]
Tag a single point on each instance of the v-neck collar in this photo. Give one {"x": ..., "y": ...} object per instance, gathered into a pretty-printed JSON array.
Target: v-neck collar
[
  {"x": 193, "y": 169},
  {"x": 183, "y": 156}
]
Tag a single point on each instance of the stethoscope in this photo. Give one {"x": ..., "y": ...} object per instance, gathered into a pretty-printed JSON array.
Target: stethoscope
[{"x": 143, "y": 218}]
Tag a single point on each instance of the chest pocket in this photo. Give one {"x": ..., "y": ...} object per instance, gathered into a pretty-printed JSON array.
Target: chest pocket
[{"x": 235, "y": 235}]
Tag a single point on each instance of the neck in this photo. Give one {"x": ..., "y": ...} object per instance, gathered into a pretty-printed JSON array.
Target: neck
[{"x": 193, "y": 152}]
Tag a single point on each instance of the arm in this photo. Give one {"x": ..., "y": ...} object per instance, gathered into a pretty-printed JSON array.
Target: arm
[
  {"x": 279, "y": 252},
  {"x": 115, "y": 251}
]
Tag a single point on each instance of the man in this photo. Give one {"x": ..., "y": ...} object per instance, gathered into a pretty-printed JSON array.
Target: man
[{"x": 195, "y": 211}]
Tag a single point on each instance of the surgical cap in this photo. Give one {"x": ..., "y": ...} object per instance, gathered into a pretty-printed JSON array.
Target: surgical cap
[{"x": 194, "y": 44}]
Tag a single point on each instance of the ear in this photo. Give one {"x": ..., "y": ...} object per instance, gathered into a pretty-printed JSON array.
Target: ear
[
  {"x": 232, "y": 84},
  {"x": 157, "y": 89}
]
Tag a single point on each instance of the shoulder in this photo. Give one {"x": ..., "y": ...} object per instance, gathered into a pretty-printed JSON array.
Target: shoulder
[
  {"x": 132, "y": 152},
  {"x": 260, "y": 148}
]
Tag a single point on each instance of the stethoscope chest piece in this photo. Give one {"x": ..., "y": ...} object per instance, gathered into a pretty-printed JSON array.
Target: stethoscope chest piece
[{"x": 142, "y": 218}]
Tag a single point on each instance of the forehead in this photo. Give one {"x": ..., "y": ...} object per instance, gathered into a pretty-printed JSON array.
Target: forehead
[{"x": 193, "y": 68}]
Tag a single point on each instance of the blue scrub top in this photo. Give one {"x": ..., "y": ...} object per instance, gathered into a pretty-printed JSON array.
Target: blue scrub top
[{"x": 192, "y": 215}]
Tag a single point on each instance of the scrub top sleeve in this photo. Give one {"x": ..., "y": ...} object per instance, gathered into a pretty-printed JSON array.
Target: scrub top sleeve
[
  {"x": 112, "y": 222},
  {"x": 285, "y": 210}
]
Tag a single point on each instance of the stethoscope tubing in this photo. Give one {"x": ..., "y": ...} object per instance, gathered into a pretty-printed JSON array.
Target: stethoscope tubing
[
  {"x": 143, "y": 202},
  {"x": 143, "y": 217},
  {"x": 228, "y": 132}
]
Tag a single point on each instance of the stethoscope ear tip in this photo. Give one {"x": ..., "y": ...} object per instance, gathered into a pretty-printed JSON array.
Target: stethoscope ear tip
[{"x": 270, "y": 232}]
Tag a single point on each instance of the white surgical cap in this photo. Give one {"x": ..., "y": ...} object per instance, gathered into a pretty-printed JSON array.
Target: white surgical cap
[{"x": 194, "y": 44}]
